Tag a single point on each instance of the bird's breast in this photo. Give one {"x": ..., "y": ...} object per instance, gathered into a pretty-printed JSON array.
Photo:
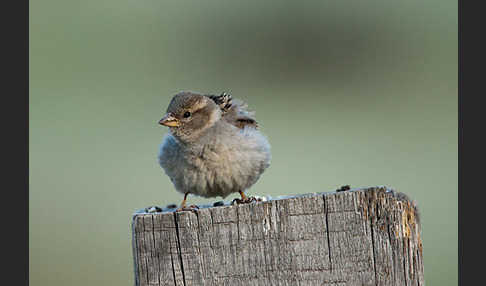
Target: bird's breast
[{"x": 216, "y": 169}]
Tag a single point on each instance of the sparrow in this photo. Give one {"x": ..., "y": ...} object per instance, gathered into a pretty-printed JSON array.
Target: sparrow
[{"x": 213, "y": 147}]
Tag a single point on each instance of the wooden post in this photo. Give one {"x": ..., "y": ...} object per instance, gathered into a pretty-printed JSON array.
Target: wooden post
[{"x": 358, "y": 237}]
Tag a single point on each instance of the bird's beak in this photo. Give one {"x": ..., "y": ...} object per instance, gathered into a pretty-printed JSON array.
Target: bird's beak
[{"x": 169, "y": 120}]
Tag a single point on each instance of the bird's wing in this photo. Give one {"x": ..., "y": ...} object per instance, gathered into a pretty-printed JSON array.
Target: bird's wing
[{"x": 235, "y": 111}]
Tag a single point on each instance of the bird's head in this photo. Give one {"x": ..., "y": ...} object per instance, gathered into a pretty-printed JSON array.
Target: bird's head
[{"x": 189, "y": 114}]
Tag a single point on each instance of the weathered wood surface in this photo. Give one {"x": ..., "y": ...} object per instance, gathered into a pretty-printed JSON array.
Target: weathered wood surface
[{"x": 357, "y": 237}]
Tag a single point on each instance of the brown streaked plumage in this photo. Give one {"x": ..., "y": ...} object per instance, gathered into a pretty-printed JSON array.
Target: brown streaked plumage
[
  {"x": 235, "y": 113},
  {"x": 213, "y": 147}
]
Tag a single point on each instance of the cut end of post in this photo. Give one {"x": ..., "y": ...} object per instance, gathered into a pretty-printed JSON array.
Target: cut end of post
[{"x": 366, "y": 236}]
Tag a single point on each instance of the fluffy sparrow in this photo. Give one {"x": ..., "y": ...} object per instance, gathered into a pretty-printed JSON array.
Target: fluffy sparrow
[{"x": 213, "y": 147}]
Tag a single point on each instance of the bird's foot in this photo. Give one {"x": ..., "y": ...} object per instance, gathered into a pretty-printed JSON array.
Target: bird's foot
[
  {"x": 247, "y": 200},
  {"x": 189, "y": 208}
]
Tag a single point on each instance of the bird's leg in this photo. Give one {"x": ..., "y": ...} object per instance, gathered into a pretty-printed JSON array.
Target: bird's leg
[
  {"x": 183, "y": 205},
  {"x": 243, "y": 197}
]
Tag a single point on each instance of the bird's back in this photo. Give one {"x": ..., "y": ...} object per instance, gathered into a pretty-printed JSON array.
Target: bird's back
[{"x": 235, "y": 111}]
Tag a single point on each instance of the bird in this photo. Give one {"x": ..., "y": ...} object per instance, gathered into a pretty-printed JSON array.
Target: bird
[{"x": 213, "y": 147}]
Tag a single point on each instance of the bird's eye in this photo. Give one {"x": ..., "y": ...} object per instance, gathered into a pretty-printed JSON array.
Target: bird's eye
[{"x": 187, "y": 114}]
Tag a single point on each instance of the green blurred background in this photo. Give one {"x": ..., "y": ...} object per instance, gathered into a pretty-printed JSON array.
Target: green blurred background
[{"x": 348, "y": 92}]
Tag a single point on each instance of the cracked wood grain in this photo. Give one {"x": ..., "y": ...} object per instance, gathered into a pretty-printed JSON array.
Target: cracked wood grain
[{"x": 358, "y": 237}]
